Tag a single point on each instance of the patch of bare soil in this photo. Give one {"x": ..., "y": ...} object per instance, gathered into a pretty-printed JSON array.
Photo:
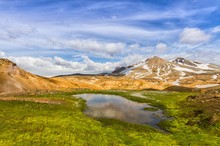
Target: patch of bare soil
[
  {"x": 207, "y": 106},
  {"x": 138, "y": 94},
  {"x": 39, "y": 100}
]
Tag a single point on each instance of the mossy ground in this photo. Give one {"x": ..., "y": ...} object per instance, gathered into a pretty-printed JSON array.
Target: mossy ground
[
  {"x": 150, "y": 109},
  {"x": 30, "y": 123}
]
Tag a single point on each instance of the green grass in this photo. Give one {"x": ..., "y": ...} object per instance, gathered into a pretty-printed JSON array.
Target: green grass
[
  {"x": 150, "y": 109},
  {"x": 29, "y": 123},
  {"x": 174, "y": 105}
]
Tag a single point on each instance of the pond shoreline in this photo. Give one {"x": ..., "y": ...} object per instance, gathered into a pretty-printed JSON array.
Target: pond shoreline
[{"x": 120, "y": 108}]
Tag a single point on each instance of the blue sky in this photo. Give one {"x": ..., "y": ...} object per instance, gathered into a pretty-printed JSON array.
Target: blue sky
[{"x": 51, "y": 37}]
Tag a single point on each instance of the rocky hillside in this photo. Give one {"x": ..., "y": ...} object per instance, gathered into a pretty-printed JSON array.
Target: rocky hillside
[{"x": 179, "y": 72}]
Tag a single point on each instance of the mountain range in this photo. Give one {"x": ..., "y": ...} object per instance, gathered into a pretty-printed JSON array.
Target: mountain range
[
  {"x": 153, "y": 73},
  {"x": 176, "y": 72}
]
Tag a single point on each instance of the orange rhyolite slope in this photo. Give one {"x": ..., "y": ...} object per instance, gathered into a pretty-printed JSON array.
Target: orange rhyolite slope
[{"x": 13, "y": 79}]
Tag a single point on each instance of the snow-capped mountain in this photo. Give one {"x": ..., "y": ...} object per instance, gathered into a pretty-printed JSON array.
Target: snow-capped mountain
[{"x": 176, "y": 72}]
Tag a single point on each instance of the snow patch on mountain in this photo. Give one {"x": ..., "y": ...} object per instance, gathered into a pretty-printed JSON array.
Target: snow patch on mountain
[
  {"x": 179, "y": 68},
  {"x": 204, "y": 66},
  {"x": 176, "y": 83},
  {"x": 207, "y": 85},
  {"x": 214, "y": 77},
  {"x": 158, "y": 74},
  {"x": 146, "y": 67}
]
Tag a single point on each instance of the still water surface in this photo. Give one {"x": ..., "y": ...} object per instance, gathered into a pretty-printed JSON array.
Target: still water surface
[{"x": 116, "y": 107}]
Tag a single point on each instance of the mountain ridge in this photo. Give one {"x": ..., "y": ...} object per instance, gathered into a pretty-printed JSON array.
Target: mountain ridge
[{"x": 153, "y": 73}]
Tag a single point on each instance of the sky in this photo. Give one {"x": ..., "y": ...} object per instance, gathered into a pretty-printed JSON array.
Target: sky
[{"x": 53, "y": 37}]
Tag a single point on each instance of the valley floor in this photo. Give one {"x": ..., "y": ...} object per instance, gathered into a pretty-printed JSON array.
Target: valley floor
[{"x": 58, "y": 119}]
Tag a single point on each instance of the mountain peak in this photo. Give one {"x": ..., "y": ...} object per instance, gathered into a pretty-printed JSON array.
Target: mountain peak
[
  {"x": 156, "y": 61},
  {"x": 154, "y": 58},
  {"x": 181, "y": 60}
]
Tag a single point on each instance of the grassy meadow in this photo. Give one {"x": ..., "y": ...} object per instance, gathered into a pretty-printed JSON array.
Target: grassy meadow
[{"x": 61, "y": 121}]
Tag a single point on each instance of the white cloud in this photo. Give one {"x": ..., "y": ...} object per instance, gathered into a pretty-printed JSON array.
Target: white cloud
[
  {"x": 132, "y": 59},
  {"x": 215, "y": 29},
  {"x": 161, "y": 47},
  {"x": 207, "y": 56},
  {"x": 56, "y": 36},
  {"x": 193, "y": 36},
  {"x": 47, "y": 66},
  {"x": 52, "y": 66},
  {"x": 93, "y": 45},
  {"x": 99, "y": 39},
  {"x": 2, "y": 54}
]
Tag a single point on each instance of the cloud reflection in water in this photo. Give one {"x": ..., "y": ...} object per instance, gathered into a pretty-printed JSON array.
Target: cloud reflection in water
[{"x": 116, "y": 107}]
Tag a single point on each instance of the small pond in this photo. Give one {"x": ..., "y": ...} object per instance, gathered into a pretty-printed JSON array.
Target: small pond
[{"x": 120, "y": 108}]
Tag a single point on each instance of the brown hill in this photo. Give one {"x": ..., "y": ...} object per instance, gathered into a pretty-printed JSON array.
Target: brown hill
[{"x": 13, "y": 79}]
